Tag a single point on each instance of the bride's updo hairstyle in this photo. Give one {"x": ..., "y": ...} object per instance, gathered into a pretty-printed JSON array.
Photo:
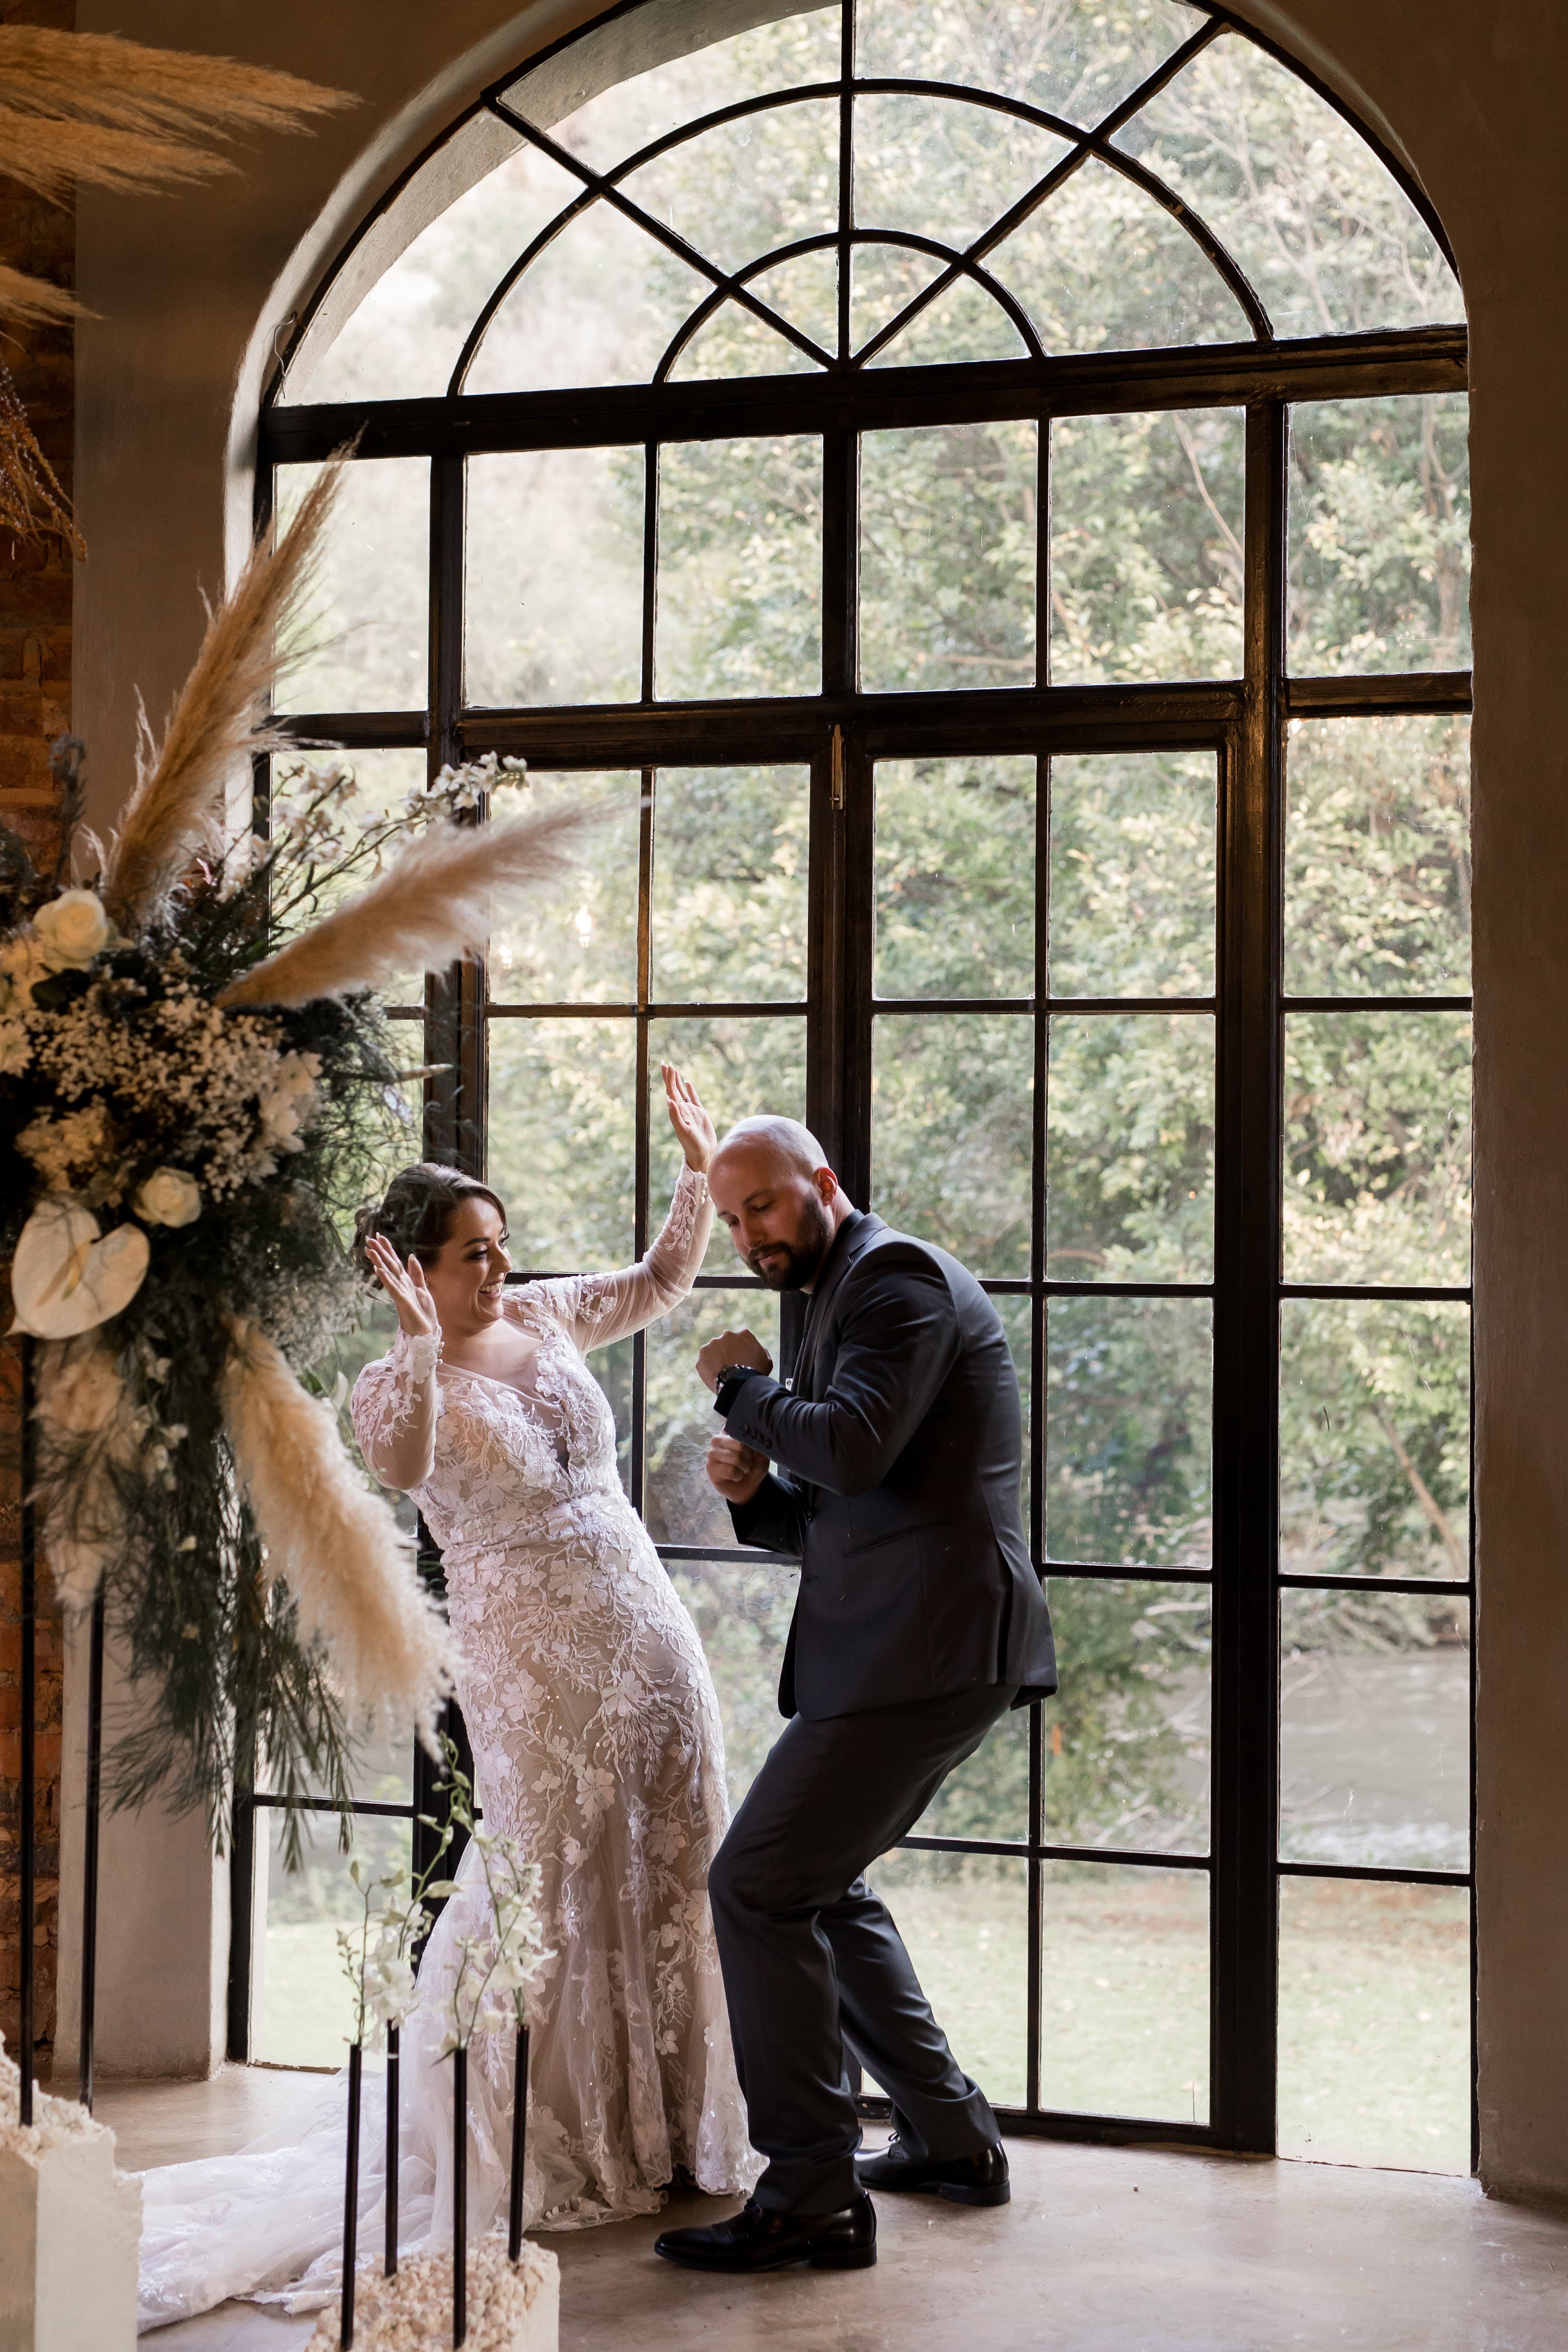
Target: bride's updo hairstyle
[{"x": 417, "y": 1212}]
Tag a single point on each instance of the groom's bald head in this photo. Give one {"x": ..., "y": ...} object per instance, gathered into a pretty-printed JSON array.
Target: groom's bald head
[{"x": 772, "y": 1186}]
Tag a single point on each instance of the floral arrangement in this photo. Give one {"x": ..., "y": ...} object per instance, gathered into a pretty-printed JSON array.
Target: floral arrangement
[{"x": 197, "y": 1087}]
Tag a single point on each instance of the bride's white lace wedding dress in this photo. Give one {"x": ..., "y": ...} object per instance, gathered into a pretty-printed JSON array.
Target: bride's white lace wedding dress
[{"x": 597, "y": 1744}]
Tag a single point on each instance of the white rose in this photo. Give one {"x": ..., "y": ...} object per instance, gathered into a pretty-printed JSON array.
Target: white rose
[
  {"x": 74, "y": 928},
  {"x": 168, "y": 1197}
]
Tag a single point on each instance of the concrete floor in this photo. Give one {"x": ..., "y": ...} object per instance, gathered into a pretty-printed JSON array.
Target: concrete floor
[{"x": 1138, "y": 2249}]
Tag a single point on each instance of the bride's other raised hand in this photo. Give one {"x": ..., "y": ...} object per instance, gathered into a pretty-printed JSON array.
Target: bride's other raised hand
[
  {"x": 408, "y": 1290},
  {"x": 694, "y": 1129}
]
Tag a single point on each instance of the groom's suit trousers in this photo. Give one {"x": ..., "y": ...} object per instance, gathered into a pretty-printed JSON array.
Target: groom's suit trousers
[{"x": 815, "y": 1972}]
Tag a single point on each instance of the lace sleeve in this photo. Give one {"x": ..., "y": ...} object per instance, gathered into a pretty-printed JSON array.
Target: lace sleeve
[
  {"x": 599, "y": 1307},
  {"x": 393, "y": 1411}
]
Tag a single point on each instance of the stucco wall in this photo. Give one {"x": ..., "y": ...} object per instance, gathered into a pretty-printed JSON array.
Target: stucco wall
[{"x": 1474, "y": 93}]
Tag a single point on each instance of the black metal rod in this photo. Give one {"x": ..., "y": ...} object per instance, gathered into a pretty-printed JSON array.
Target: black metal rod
[
  {"x": 351, "y": 2196},
  {"x": 27, "y": 1793},
  {"x": 86, "y": 2034},
  {"x": 519, "y": 2146},
  {"x": 389, "y": 2200},
  {"x": 460, "y": 2196}
]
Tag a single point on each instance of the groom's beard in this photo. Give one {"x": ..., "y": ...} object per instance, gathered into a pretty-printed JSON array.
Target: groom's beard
[{"x": 791, "y": 1264}]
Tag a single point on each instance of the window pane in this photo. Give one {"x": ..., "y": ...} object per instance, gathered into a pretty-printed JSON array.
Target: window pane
[
  {"x": 740, "y": 567},
  {"x": 363, "y": 642},
  {"x": 1125, "y": 1991},
  {"x": 1375, "y": 2023},
  {"x": 964, "y": 1921},
  {"x": 562, "y": 1141},
  {"x": 682, "y": 1508},
  {"x": 941, "y": 169},
  {"x": 383, "y": 784},
  {"x": 301, "y": 2005},
  {"x": 962, "y": 323},
  {"x": 1321, "y": 227},
  {"x": 1374, "y": 1730},
  {"x": 1100, "y": 267},
  {"x": 1129, "y": 1391},
  {"x": 1377, "y": 1147},
  {"x": 1127, "y": 1737},
  {"x": 1380, "y": 535},
  {"x": 1378, "y": 858},
  {"x": 1017, "y": 1318},
  {"x": 577, "y": 942},
  {"x": 883, "y": 280},
  {"x": 630, "y": 115},
  {"x": 741, "y": 1610},
  {"x": 744, "y": 188},
  {"x": 1133, "y": 839},
  {"x": 600, "y": 305},
  {"x": 729, "y": 883},
  {"x": 739, "y": 1066},
  {"x": 955, "y": 877},
  {"x": 735, "y": 342},
  {"x": 1374, "y": 1437},
  {"x": 1146, "y": 546},
  {"x": 554, "y": 610},
  {"x": 987, "y": 1796},
  {"x": 1130, "y": 1148},
  {"x": 952, "y": 1133},
  {"x": 1079, "y": 61},
  {"x": 410, "y": 328},
  {"x": 805, "y": 290},
  {"x": 948, "y": 526}
]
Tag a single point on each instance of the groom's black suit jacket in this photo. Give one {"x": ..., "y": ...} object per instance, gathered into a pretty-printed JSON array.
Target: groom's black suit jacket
[{"x": 898, "y": 1454}]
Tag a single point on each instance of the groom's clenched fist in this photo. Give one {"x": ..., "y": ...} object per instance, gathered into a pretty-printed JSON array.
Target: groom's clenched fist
[
  {"x": 734, "y": 1469},
  {"x": 731, "y": 1347}
]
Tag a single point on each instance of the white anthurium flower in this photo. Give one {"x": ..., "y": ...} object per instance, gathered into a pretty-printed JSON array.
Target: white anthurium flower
[
  {"x": 68, "y": 1276},
  {"x": 73, "y": 930},
  {"x": 168, "y": 1197}
]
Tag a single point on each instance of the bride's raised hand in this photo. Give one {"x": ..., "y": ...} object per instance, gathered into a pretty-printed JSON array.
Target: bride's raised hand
[
  {"x": 408, "y": 1291},
  {"x": 691, "y": 1122}
]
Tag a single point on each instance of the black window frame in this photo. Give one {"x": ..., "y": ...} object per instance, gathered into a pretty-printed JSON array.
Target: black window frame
[{"x": 840, "y": 733}]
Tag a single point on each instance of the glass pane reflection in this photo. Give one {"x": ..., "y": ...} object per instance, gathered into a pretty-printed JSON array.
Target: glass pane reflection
[
  {"x": 740, "y": 567},
  {"x": 955, "y": 877},
  {"x": 952, "y": 1142},
  {"x": 1127, "y": 1737},
  {"x": 1378, "y": 858},
  {"x": 576, "y": 943},
  {"x": 948, "y": 556},
  {"x": 1146, "y": 546},
  {"x": 964, "y": 1921},
  {"x": 1377, "y": 1147},
  {"x": 1375, "y": 2023},
  {"x": 1374, "y": 1730},
  {"x": 1380, "y": 534},
  {"x": 1132, "y": 863},
  {"x": 562, "y": 1139},
  {"x": 730, "y": 885},
  {"x": 302, "y": 2008},
  {"x": 554, "y": 592},
  {"x": 1125, "y": 1991},
  {"x": 1130, "y": 1148},
  {"x": 1375, "y": 1439},
  {"x": 363, "y": 639},
  {"x": 1129, "y": 1389}
]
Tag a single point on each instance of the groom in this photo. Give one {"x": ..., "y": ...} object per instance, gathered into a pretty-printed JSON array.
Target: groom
[{"x": 920, "y": 1622}]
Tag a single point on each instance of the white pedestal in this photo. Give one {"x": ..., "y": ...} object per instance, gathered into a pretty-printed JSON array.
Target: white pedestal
[
  {"x": 512, "y": 2307},
  {"x": 69, "y": 2226}
]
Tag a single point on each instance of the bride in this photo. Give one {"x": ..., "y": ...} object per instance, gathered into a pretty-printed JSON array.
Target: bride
[{"x": 597, "y": 1746}]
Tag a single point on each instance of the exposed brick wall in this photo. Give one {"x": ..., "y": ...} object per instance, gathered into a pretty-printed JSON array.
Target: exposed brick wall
[{"x": 35, "y": 706}]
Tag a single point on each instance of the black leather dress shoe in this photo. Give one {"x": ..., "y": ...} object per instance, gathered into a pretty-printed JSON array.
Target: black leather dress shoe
[
  {"x": 979, "y": 2180},
  {"x": 760, "y": 2240}
]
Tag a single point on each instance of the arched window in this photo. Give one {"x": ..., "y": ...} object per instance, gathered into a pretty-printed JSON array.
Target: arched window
[{"x": 979, "y": 486}]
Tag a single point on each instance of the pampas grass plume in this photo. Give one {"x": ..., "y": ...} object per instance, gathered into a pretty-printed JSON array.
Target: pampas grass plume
[
  {"x": 435, "y": 903},
  {"x": 336, "y": 1545},
  {"x": 220, "y": 719}
]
